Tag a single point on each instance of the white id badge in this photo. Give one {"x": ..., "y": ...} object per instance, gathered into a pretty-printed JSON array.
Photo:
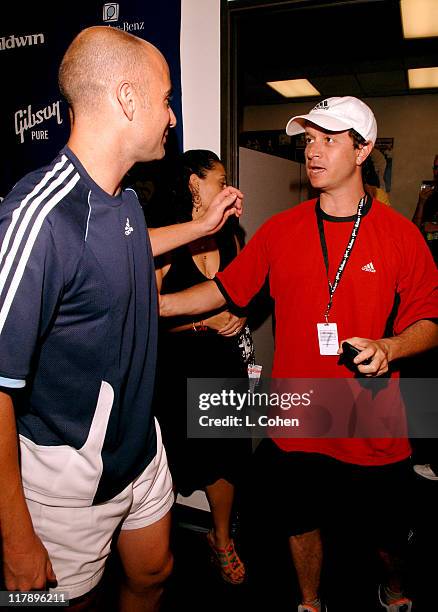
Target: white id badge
[
  {"x": 254, "y": 373},
  {"x": 328, "y": 338}
]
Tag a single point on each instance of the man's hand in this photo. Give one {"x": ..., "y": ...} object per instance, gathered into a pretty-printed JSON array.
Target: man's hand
[
  {"x": 423, "y": 196},
  {"x": 376, "y": 350},
  {"x": 228, "y": 202},
  {"x": 27, "y": 566},
  {"x": 163, "y": 305},
  {"x": 425, "y": 193},
  {"x": 418, "y": 337},
  {"x": 26, "y": 563}
]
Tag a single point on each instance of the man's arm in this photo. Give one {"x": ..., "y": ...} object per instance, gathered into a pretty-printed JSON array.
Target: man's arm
[
  {"x": 193, "y": 301},
  {"x": 26, "y": 564},
  {"x": 228, "y": 202},
  {"x": 423, "y": 196},
  {"x": 418, "y": 337}
]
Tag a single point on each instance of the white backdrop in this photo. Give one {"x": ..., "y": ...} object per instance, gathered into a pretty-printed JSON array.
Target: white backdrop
[
  {"x": 200, "y": 81},
  {"x": 200, "y": 74}
]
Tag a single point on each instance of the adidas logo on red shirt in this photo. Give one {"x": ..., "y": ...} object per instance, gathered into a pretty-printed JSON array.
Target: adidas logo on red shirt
[{"x": 369, "y": 267}]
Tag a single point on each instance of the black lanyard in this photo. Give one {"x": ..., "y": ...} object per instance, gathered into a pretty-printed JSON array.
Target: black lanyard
[{"x": 354, "y": 232}]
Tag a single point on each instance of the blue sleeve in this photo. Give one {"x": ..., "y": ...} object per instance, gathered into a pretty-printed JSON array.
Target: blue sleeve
[{"x": 31, "y": 284}]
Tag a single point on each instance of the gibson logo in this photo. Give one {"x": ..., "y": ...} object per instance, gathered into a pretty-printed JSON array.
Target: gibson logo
[
  {"x": 12, "y": 41},
  {"x": 26, "y": 119}
]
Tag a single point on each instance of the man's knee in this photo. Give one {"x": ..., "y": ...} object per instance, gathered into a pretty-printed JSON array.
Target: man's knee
[{"x": 152, "y": 575}]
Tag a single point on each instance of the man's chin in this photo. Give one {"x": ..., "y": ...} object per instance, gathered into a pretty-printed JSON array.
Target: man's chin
[
  {"x": 317, "y": 184},
  {"x": 162, "y": 151},
  {"x": 156, "y": 156}
]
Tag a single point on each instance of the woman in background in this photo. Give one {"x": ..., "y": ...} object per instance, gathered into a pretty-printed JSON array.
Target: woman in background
[
  {"x": 217, "y": 346},
  {"x": 372, "y": 183}
]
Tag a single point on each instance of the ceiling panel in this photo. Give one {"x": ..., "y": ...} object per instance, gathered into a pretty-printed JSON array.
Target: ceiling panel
[
  {"x": 337, "y": 85},
  {"x": 351, "y": 47},
  {"x": 382, "y": 83}
]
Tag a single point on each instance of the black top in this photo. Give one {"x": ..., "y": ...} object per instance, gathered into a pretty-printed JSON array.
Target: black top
[{"x": 184, "y": 273}]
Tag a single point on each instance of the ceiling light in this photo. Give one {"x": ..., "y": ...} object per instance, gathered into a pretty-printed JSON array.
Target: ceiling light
[
  {"x": 297, "y": 88},
  {"x": 420, "y": 18},
  {"x": 423, "y": 78}
]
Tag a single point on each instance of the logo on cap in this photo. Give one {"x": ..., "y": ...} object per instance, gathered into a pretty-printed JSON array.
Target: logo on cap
[{"x": 321, "y": 106}]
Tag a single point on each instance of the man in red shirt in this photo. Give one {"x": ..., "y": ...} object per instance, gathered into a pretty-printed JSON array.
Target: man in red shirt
[{"x": 339, "y": 267}]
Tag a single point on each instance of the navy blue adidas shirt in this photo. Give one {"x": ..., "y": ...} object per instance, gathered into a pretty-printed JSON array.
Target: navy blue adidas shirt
[{"x": 78, "y": 330}]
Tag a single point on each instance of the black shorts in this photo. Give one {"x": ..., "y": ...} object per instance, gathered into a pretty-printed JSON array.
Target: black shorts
[{"x": 297, "y": 492}]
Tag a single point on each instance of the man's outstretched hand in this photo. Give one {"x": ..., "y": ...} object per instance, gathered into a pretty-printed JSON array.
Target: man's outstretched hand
[{"x": 227, "y": 203}]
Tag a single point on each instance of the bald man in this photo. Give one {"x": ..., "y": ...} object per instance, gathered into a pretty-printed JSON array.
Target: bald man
[{"x": 78, "y": 332}]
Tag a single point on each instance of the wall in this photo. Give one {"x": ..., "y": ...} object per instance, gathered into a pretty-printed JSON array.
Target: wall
[
  {"x": 410, "y": 120},
  {"x": 200, "y": 73},
  {"x": 200, "y": 81},
  {"x": 270, "y": 185},
  {"x": 34, "y": 123}
]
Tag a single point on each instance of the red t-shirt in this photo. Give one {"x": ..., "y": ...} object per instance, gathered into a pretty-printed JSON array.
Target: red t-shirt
[{"x": 389, "y": 258}]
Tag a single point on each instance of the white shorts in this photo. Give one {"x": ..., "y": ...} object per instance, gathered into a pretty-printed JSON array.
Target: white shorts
[{"x": 78, "y": 540}]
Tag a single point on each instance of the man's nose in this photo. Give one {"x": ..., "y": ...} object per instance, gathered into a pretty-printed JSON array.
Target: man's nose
[
  {"x": 172, "y": 122},
  {"x": 313, "y": 150}
]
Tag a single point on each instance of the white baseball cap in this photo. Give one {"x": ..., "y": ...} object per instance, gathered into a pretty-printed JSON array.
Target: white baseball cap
[{"x": 338, "y": 115}]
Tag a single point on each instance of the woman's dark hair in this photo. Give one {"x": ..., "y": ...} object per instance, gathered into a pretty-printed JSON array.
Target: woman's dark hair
[
  {"x": 369, "y": 174},
  {"x": 195, "y": 161},
  {"x": 163, "y": 186}
]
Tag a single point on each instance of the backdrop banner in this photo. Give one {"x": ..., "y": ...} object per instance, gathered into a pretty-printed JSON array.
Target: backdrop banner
[{"x": 34, "y": 122}]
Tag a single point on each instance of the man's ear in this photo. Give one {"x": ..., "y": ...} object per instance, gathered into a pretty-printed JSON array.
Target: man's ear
[
  {"x": 71, "y": 115},
  {"x": 126, "y": 99},
  {"x": 362, "y": 153}
]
